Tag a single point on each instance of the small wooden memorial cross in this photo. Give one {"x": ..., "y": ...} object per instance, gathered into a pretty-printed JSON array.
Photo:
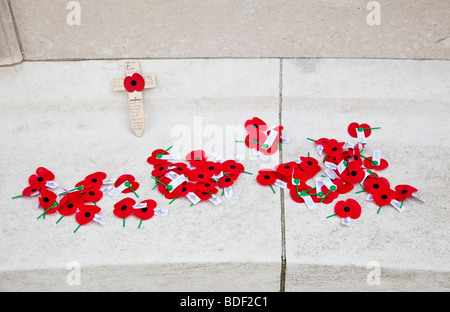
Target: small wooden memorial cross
[{"x": 134, "y": 83}]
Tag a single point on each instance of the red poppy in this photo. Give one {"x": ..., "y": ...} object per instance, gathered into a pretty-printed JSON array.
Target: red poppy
[
  {"x": 134, "y": 185},
  {"x": 199, "y": 175},
  {"x": 353, "y": 173},
  {"x": 92, "y": 195},
  {"x": 162, "y": 186},
  {"x": 41, "y": 177},
  {"x": 343, "y": 187},
  {"x": 160, "y": 170},
  {"x": 155, "y": 157},
  {"x": 348, "y": 208},
  {"x": 196, "y": 158},
  {"x": 372, "y": 184},
  {"x": 124, "y": 207},
  {"x": 404, "y": 191},
  {"x": 354, "y": 127},
  {"x": 30, "y": 190},
  {"x": 69, "y": 204},
  {"x": 333, "y": 147},
  {"x": 301, "y": 175},
  {"x": 286, "y": 169},
  {"x": 354, "y": 155},
  {"x": 185, "y": 188},
  {"x": 134, "y": 83},
  {"x": 215, "y": 168},
  {"x": 267, "y": 177},
  {"x": 181, "y": 168},
  {"x": 206, "y": 195},
  {"x": 328, "y": 196},
  {"x": 368, "y": 163},
  {"x": 95, "y": 179},
  {"x": 47, "y": 199},
  {"x": 255, "y": 140},
  {"x": 309, "y": 165},
  {"x": 255, "y": 125},
  {"x": 206, "y": 186},
  {"x": 274, "y": 147},
  {"x": 147, "y": 212},
  {"x": 232, "y": 167},
  {"x": 321, "y": 141},
  {"x": 86, "y": 214},
  {"x": 295, "y": 195},
  {"x": 226, "y": 181},
  {"x": 383, "y": 196}
]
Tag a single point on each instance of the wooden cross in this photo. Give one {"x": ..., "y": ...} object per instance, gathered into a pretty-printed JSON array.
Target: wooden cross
[{"x": 134, "y": 86}]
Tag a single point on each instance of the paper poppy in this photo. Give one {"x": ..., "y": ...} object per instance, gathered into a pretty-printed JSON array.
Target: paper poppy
[
  {"x": 232, "y": 167},
  {"x": 333, "y": 147},
  {"x": 196, "y": 158},
  {"x": 69, "y": 204},
  {"x": 328, "y": 195},
  {"x": 404, "y": 191},
  {"x": 342, "y": 186},
  {"x": 147, "y": 212},
  {"x": 163, "y": 184},
  {"x": 134, "y": 185},
  {"x": 215, "y": 168},
  {"x": 372, "y": 184},
  {"x": 295, "y": 195},
  {"x": 266, "y": 177},
  {"x": 86, "y": 214},
  {"x": 309, "y": 165},
  {"x": 226, "y": 181},
  {"x": 383, "y": 196},
  {"x": 354, "y": 127},
  {"x": 180, "y": 168},
  {"x": 30, "y": 190},
  {"x": 134, "y": 82},
  {"x": 368, "y": 163},
  {"x": 273, "y": 148},
  {"x": 353, "y": 173},
  {"x": 321, "y": 141},
  {"x": 185, "y": 188},
  {"x": 199, "y": 175},
  {"x": 160, "y": 169},
  {"x": 206, "y": 186},
  {"x": 124, "y": 207},
  {"x": 255, "y": 125},
  {"x": 206, "y": 195},
  {"x": 255, "y": 140},
  {"x": 286, "y": 169},
  {"x": 348, "y": 208},
  {"x": 42, "y": 176},
  {"x": 155, "y": 157},
  {"x": 47, "y": 199},
  {"x": 95, "y": 179},
  {"x": 354, "y": 154},
  {"x": 92, "y": 195}
]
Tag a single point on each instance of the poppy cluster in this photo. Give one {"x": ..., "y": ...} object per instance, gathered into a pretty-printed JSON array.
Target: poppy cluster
[
  {"x": 260, "y": 138},
  {"x": 81, "y": 201},
  {"x": 201, "y": 177}
]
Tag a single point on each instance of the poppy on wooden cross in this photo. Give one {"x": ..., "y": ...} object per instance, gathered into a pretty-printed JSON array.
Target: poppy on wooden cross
[{"x": 134, "y": 83}]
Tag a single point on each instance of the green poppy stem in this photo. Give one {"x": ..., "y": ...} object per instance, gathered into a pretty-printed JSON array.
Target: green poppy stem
[
  {"x": 247, "y": 172},
  {"x": 256, "y": 142},
  {"x": 325, "y": 196},
  {"x": 311, "y": 139},
  {"x": 140, "y": 224},
  {"x": 331, "y": 216},
  {"x": 272, "y": 189},
  {"x": 401, "y": 204},
  {"x": 379, "y": 210},
  {"x": 374, "y": 162},
  {"x": 123, "y": 222},
  {"x": 16, "y": 196},
  {"x": 128, "y": 184},
  {"x": 160, "y": 155},
  {"x": 172, "y": 200},
  {"x": 79, "y": 188},
  {"x": 45, "y": 211},
  {"x": 77, "y": 228},
  {"x": 328, "y": 156},
  {"x": 59, "y": 219}
]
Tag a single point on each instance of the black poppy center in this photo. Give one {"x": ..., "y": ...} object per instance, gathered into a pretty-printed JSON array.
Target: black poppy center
[
  {"x": 70, "y": 206},
  {"x": 353, "y": 173},
  {"x": 233, "y": 167},
  {"x": 91, "y": 193},
  {"x": 375, "y": 186},
  {"x": 94, "y": 180},
  {"x": 309, "y": 163},
  {"x": 124, "y": 207},
  {"x": 404, "y": 191},
  {"x": 46, "y": 199},
  {"x": 87, "y": 214},
  {"x": 227, "y": 180},
  {"x": 207, "y": 185},
  {"x": 40, "y": 179},
  {"x": 287, "y": 167},
  {"x": 144, "y": 209},
  {"x": 133, "y": 82},
  {"x": 211, "y": 168},
  {"x": 356, "y": 157},
  {"x": 180, "y": 169},
  {"x": 255, "y": 126},
  {"x": 160, "y": 168},
  {"x": 267, "y": 177},
  {"x": 201, "y": 176},
  {"x": 197, "y": 158},
  {"x": 34, "y": 190},
  {"x": 205, "y": 193},
  {"x": 384, "y": 196},
  {"x": 346, "y": 208},
  {"x": 334, "y": 149},
  {"x": 184, "y": 189}
]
